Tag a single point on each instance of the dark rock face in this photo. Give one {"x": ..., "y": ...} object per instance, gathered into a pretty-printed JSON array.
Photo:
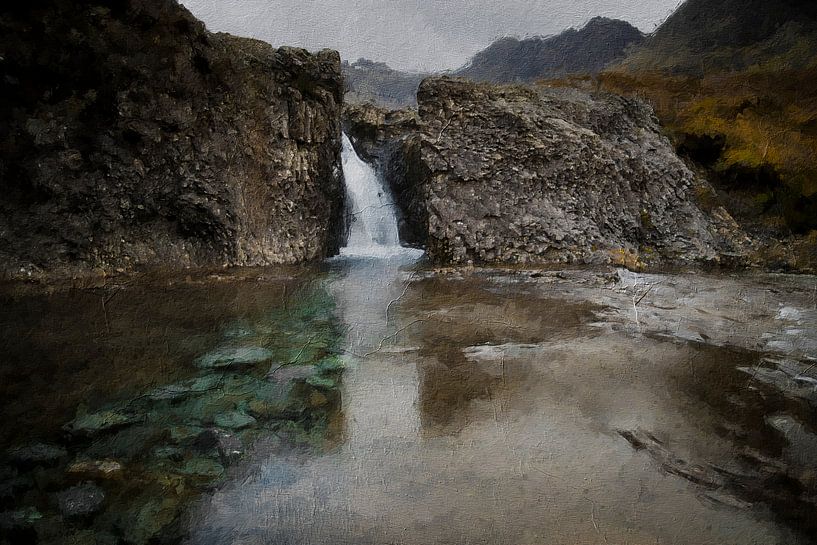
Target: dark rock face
[
  {"x": 131, "y": 136},
  {"x": 518, "y": 174},
  {"x": 585, "y": 51}
]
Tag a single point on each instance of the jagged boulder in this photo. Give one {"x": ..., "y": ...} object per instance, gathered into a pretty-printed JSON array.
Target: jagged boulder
[
  {"x": 131, "y": 136},
  {"x": 536, "y": 175}
]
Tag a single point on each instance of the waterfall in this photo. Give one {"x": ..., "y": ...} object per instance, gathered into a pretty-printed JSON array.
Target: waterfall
[{"x": 372, "y": 212}]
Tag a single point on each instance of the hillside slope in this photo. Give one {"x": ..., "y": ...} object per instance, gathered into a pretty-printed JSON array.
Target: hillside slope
[
  {"x": 734, "y": 85},
  {"x": 704, "y": 36},
  {"x": 584, "y": 51}
]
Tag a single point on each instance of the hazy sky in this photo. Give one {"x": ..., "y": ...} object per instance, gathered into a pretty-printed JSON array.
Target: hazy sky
[{"x": 413, "y": 34}]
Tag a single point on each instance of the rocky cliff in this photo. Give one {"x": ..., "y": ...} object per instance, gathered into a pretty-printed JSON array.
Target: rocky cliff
[
  {"x": 523, "y": 174},
  {"x": 130, "y": 136}
]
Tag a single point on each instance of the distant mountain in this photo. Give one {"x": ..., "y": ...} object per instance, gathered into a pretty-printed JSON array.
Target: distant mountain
[
  {"x": 376, "y": 82},
  {"x": 585, "y": 51},
  {"x": 704, "y": 36}
]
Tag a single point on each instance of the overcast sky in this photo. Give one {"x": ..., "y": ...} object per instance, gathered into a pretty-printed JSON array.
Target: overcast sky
[{"x": 413, "y": 34}]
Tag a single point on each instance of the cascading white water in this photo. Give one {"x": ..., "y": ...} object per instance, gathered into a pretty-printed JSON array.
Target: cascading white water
[{"x": 373, "y": 230}]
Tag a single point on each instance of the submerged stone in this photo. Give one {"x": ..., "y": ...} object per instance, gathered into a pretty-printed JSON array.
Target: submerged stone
[
  {"x": 151, "y": 520},
  {"x": 181, "y": 434},
  {"x": 187, "y": 388},
  {"x": 202, "y": 467},
  {"x": 229, "y": 357},
  {"x": 80, "y": 500},
  {"x": 94, "y": 423},
  {"x": 234, "y": 420},
  {"x": 321, "y": 382},
  {"x": 167, "y": 452},
  {"x": 95, "y": 469},
  {"x": 317, "y": 399},
  {"x": 20, "y": 518},
  {"x": 263, "y": 410},
  {"x": 229, "y": 447},
  {"x": 124, "y": 444},
  {"x": 37, "y": 453},
  {"x": 288, "y": 373}
]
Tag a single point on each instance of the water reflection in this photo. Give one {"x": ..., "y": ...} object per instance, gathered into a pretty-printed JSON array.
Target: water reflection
[
  {"x": 477, "y": 412},
  {"x": 380, "y": 391}
]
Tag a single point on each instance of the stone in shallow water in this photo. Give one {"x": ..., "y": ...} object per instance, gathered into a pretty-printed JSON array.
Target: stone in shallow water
[
  {"x": 187, "y": 388},
  {"x": 167, "y": 452},
  {"x": 180, "y": 434},
  {"x": 229, "y": 357},
  {"x": 229, "y": 447},
  {"x": 94, "y": 423},
  {"x": 234, "y": 420},
  {"x": 238, "y": 332},
  {"x": 96, "y": 469},
  {"x": 80, "y": 500},
  {"x": 288, "y": 373},
  {"x": 21, "y": 518},
  {"x": 202, "y": 467},
  {"x": 151, "y": 521},
  {"x": 317, "y": 399},
  {"x": 125, "y": 444},
  {"x": 321, "y": 382},
  {"x": 37, "y": 453}
]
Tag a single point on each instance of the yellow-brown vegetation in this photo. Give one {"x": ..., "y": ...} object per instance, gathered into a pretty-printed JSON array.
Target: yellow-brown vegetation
[{"x": 760, "y": 123}]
